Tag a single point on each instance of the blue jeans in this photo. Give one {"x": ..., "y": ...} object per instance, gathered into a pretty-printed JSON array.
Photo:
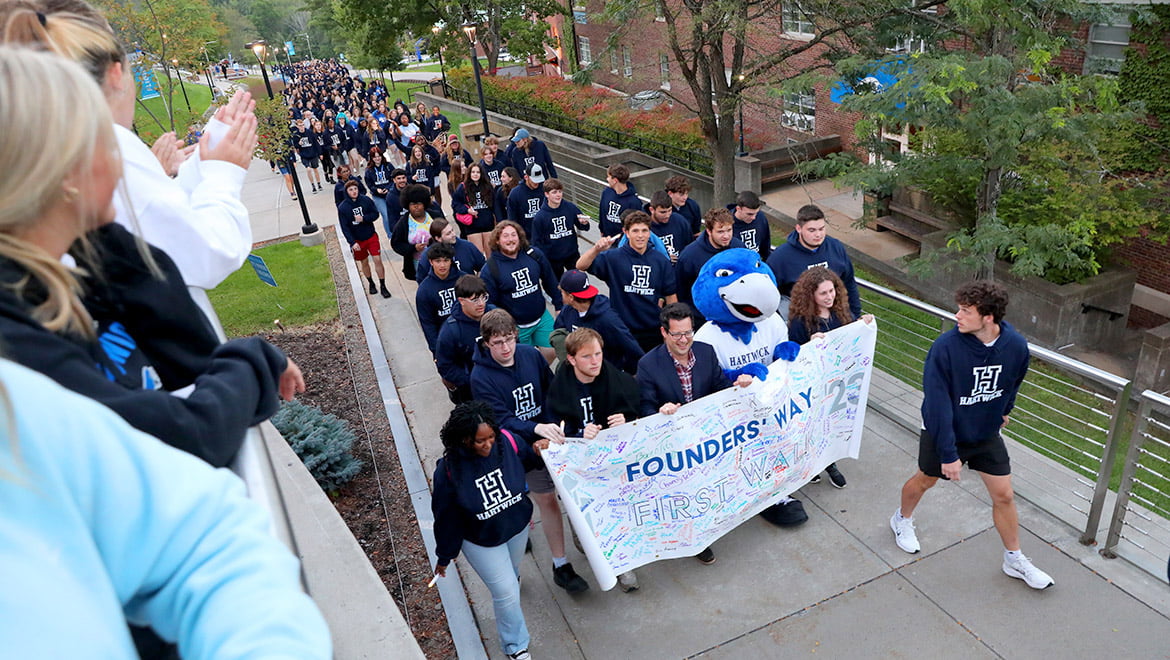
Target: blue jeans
[
  {"x": 380, "y": 204},
  {"x": 499, "y": 568}
]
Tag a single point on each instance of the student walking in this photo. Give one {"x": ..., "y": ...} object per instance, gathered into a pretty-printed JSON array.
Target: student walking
[{"x": 970, "y": 382}]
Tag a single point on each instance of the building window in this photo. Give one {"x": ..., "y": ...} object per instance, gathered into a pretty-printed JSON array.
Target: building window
[
  {"x": 664, "y": 70},
  {"x": 800, "y": 111},
  {"x": 613, "y": 61},
  {"x": 908, "y": 44},
  {"x": 585, "y": 51},
  {"x": 627, "y": 65},
  {"x": 1105, "y": 51},
  {"x": 796, "y": 20},
  {"x": 659, "y": 15}
]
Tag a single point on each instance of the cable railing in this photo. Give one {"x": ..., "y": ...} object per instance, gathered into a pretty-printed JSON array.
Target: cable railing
[
  {"x": 1139, "y": 528},
  {"x": 1067, "y": 412},
  {"x": 687, "y": 158}
]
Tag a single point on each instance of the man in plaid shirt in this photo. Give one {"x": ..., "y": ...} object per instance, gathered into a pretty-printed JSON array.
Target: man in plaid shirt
[{"x": 680, "y": 371}]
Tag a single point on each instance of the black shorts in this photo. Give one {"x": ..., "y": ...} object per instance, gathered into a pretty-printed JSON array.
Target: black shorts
[
  {"x": 311, "y": 162},
  {"x": 988, "y": 457}
]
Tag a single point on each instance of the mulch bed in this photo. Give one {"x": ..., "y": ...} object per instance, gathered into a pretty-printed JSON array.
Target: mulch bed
[{"x": 340, "y": 379}]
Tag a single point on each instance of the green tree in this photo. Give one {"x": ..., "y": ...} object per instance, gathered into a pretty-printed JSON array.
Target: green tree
[
  {"x": 715, "y": 48},
  {"x": 999, "y": 122}
]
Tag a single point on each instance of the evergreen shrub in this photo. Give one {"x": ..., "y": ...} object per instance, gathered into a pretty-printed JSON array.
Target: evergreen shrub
[{"x": 322, "y": 441}]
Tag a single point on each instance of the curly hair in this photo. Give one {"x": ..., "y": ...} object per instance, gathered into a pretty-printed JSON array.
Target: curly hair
[
  {"x": 494, "y": 237},
  {"x": 986, "y": 297},
  {"x": 804, "y": 305},
  {"x": 462, "y": 425}
]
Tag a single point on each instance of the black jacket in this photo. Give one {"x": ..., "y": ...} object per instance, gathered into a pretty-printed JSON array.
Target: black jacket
[{"x": 577, "y": 404}]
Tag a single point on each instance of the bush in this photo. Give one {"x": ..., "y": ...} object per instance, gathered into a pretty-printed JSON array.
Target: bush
[{"x": 322, "y": 441}]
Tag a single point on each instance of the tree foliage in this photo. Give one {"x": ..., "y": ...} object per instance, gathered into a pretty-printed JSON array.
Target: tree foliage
[{"x": 1006, "y": 140}]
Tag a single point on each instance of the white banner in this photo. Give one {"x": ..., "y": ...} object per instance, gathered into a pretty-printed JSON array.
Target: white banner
[{"x": 668, "y": 486}]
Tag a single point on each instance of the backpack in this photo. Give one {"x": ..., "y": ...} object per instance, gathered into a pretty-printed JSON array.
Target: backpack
[{"x": 507, "y": 435}]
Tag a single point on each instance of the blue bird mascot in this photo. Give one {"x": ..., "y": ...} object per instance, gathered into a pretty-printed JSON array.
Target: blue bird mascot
[{"x": 737, "y": 293}]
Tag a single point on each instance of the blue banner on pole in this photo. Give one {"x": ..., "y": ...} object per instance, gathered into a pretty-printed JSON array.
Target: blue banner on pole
[
  {"x": 147, "y": 83},
  {"x": 291, "y": 51},
  {"x": 261, "y": 269}
]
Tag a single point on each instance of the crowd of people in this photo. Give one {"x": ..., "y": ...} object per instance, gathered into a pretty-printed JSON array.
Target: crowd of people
[
  {"x": 504, "y": 294},
  {"x": 96, "y": 318},
  {"x": 119, "y": 401}
]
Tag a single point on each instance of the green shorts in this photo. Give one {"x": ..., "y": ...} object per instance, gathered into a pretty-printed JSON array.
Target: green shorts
[{"x": 537, "y": 332}]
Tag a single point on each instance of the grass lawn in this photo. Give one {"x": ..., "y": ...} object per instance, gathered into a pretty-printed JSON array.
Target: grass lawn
[
  {"x": 149, "y": 129},
  {"x": 304, "y": 294}
]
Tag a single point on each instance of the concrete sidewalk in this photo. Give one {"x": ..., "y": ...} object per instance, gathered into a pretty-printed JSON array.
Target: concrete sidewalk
[{"x": 837, "y": 585}]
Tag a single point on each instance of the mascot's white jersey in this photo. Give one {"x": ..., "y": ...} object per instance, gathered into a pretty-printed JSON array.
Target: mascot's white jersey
[{"x": 734, "y": 354}]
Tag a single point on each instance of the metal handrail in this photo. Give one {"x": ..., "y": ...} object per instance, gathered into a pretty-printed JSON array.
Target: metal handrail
[
  {"x": 1151, "y": 403},
  {"x": 1119, "y": 386}
]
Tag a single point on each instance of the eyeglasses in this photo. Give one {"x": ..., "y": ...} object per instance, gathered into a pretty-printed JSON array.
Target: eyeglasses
[
  {"x": 481, "y": 298},
  {"x": 502, "y": 341},
  {"x": 685, "y": 334}
]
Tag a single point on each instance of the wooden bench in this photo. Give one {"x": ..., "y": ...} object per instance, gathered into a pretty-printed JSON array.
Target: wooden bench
[{"x": 910, "y": 222}]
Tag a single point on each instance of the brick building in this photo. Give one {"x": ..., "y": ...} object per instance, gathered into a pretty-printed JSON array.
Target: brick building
[{"x": 641, "y": 60}]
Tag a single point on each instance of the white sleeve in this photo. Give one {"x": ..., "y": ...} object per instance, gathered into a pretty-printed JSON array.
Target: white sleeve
[{"x": 205, "y": 230}]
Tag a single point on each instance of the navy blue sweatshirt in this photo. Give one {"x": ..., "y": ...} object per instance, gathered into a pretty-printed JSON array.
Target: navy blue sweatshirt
[
  {"x": 514, "y": 284},
  {"x": 756, "y": 235},
  {"x": 486, "y": 205},
  {"x": 792, "y": 258},
  {"x": 492, "y": 172},
  {"x": 675, "y": 234},
  {"x": 515, "y": 393},
  {"x": 487, "y": 516},
  {"x": 434, "y": 300},
  {"x": 339, "y": 189},
  {"x": 523, "y": 203},
  {"x": 613, "y": 205},
  {"x": 969, "y": 387},
  {"x": 463, "y": 156},
  {"x": 423, "y": 173},
  {"x": 693, "y": 215},
  {"x": 468, "y": 260},
  {"x": 620, "y": 346},
  {"x": 537, "y": 153},
  {"x": 305, "y": 143},
  {"x": 357, "y": 218},
  {"x": 553, "y": 231},
  {"x": 456, "y": 346},
  {"x": 799, "y": 332},
  {"x": 636, "y": 282},
  {"x": 691, "y": 261},
  {"x": 378, "y": 177}
]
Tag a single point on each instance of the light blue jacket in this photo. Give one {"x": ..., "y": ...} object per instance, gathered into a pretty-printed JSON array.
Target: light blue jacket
[{"x": 101, "y": 524}]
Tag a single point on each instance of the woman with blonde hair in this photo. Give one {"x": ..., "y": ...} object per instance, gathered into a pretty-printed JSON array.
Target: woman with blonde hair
[
  {"x": 117, "y": 349},
  {"x": 197, "y": 218}
]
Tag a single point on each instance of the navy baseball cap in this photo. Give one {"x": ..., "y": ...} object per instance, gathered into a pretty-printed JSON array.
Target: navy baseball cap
[{"x": 576, "y": 284}]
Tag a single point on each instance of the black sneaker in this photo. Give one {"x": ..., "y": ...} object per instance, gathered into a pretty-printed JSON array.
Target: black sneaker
[
  {"x": 528, "y": 547},
  {"x": 373, "y": 288},
  {"x": 835, "y": 476},
  {"x": 386, "y": 294},
  {"x": 566, "y": 578},
  {"x": 707, "y": 556},
  {"x": 522, "y": 654}
]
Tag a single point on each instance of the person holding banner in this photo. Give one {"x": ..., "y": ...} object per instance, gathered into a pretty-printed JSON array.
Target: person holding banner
[
  {"x": 481, "y": 508},
  {"x": 819, "y": 304},
  {"x": 588, "y": 395},
  {"x": 970, "y": 381},
  {"x": 514, "y": 379},
  {"x": 680, "y": 371}
]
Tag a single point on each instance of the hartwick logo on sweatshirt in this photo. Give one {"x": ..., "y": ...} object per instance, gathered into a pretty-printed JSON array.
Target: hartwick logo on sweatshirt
[{"x": 986, "y": 385}]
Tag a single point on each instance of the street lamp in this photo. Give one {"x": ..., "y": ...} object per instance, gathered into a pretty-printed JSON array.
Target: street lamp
[
  {"x": 308, "y": 43},
  {"x": 258, "y": 47},
  {"x": 181, "y": 85},
  {"x": 442, "y": 69},
  {"x": 207, "y": 57},
  {"x": 742, "y": 151},
  {"x": 469, "y": 29}
]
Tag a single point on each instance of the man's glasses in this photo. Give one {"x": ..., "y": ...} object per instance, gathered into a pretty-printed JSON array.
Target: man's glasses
[
  {"x": 502, "y": 341},
  {"x": 481, "y": 298},
  {"x": 685, "y": 334}
]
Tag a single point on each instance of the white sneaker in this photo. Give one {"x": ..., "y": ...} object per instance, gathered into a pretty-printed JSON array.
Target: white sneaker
[
  {"x": 522, "y": 654},
  {"x": 904, "y": 534},
  {"x": 628, "y": 581},
  {"x": 1021, "y": 568}
]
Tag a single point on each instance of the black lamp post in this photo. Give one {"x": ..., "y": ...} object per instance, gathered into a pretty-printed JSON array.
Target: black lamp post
[
  {"x": 469, "y": 28},
  {"x": 309, "y": 226},
  {"x": 742, "y": 151},
  {"x": 442, "y": 69},
  {"x": 178, "y": 73}
]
